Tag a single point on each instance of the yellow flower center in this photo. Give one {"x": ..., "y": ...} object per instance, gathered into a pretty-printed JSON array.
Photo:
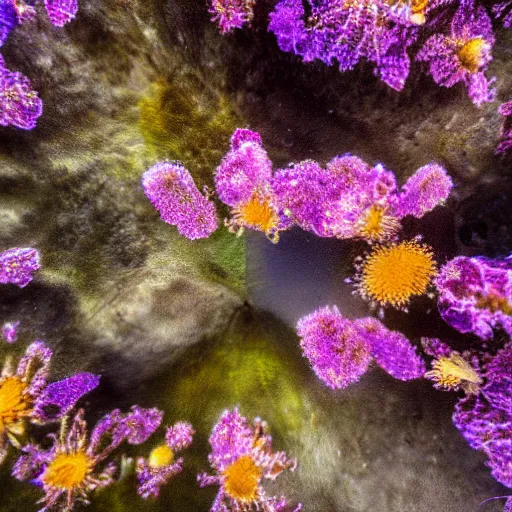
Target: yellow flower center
[
  {"x": 472, "y": 54},
  {"x": 242, "y": 479},
  {"x": 67, "y": 470},
  {"x": 13, "y": 402},
  {"x": 395, "y": 273},
  {"x": 453, "y": 372},
  {"x": 257, "y": 213},
  {"x": 376, "y": 225},
  {"x": 161, "y": 456}
]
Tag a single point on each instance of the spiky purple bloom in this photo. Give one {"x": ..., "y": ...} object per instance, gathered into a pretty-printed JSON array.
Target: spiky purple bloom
[
  {"x": 10, "y": 331},
  {"x": 243, "y": 181},
  {"x": 464, "y": 54},
  {"x": 231, "y": 14},
  {"x": 172, "y": 191},
  {"x": 25, "y": 394},
  {"x": 340, "y": 350},
  {"x": 242, "y": 458},
  {"x": 19, "y": 104},
  {"x": 75, "y": 466},
  {"x": 61, "y": 12},
  {"x": 424, "y": 190},
  {"x": 161, "y": 465},
  {"x": 505, "y": 144},
  {"x": 475, "y": 294},
  {"x": 17, "y": 265}
]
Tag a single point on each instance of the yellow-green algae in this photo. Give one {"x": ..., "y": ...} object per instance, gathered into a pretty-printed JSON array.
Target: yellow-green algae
[
  {"x": 182, "y": 118},
  {"x": 249, "y": 367}
]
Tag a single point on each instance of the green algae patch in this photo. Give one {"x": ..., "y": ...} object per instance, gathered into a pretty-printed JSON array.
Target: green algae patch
[
  {"x": 184, "y": 119},
  {"x": 249, "y": 367}
]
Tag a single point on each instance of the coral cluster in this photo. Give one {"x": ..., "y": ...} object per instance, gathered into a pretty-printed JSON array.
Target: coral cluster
[
  {"x": 475, "y": 294},
  {"x": 340, "y": 350},
  {"x": 241, "y": 458}
]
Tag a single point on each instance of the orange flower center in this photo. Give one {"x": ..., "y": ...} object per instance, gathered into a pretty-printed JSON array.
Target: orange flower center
[
  {"x": 13, "y": 402},
  {"x": 395, "y": 273},
  {"x": 242, "y": 479},
  {"x": 257, "y": 213},
  {"x": 67, "y": 470},
  {"x": 472, "y": 54}
]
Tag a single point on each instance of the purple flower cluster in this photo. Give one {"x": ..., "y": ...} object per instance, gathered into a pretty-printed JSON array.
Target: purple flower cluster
[
  {"x": 347, "y": 199},
  {"x": 20, "y": 106},
  {"x": 160, "y": 466},
  {"x": 475, "y": 294},
  {"x": 505, "y": 144},
  {"x": 464, "y": 53},
  {"x": 231, "y": 14},
  {"x": 457, "y": 45},
  {"x": 25, "y": 394},
  {"x": 75, "y": 464},
  {"x": 172, "y": 191},
  {"x": 340, "y": 350},
  {"x": 241, "y": 458}
]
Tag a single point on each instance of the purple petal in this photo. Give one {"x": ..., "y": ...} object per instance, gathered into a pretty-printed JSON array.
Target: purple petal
[{"x": 58, "y": 398}]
